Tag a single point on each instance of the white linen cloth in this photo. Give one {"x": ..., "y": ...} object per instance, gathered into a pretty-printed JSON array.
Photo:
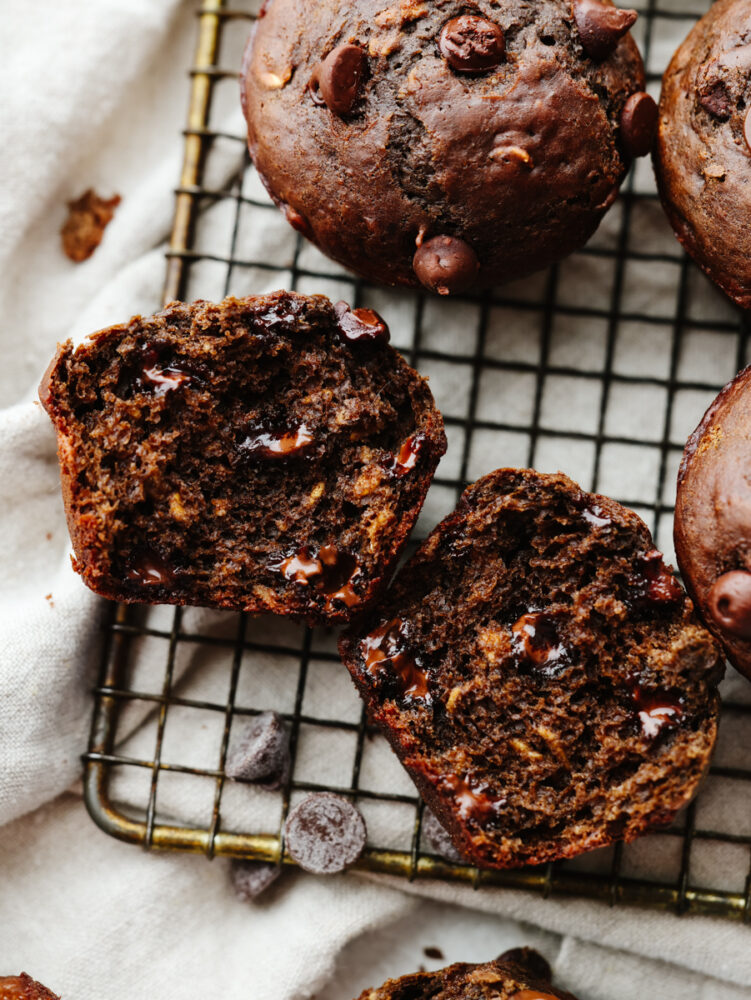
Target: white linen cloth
[{"x": 94, "y": 94}]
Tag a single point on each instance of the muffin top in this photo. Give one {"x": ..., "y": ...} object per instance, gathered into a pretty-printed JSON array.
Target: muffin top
[{"x": 446, "y": 143}]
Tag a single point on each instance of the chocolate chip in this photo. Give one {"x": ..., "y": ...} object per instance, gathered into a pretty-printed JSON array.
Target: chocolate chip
[
  {"x": 251, "y": 878},
  {"x": 470, "y": 43},
  {"x": 715, "y": 99},
  {"x": 325, "y": 833},
  {"x": 729, "y": 603},
  {"x": 360, "y": 326},
  {"x": 267, "y": 444},
  {"x": 601, "y": 26},
  {"x": 446, "y": 264},
  {"x": 260, "y": 752},
  {"x": 438, "y": 838},
  {"x": 638, "y": 123},
  {"x": 531, "y": 961},
  {"x": 148, "y": 568},
  {"x": 659, "y": 584},
  {"x": 336, "y": 81},
  {"x": 657, "y": 710},
  {"x": 409, "y": 452},
  {"x": 432, "y": 952},
  {"x": 297, "y": 221}
]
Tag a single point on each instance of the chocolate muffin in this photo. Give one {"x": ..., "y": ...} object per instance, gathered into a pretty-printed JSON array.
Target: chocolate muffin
[
  {"x": 702, "y": 155},
  {"x": 498, "y": 980},
  {"x": 445, "y": 144},
  {"x": 540, "y": 673},
  {"x": 23, "y": 987},
  {"x": 713, "y": 519},
  {"x": 262, "y": 454}
]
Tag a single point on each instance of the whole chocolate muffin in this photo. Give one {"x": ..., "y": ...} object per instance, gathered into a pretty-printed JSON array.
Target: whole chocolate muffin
[
  {"x": 540, "y": 673},
  {"x": 269, "y": 454},
  {"x": 450, "y": 144},
  {"x": 702, "y": 155},
  {"x": 713, "y": 519},
  {"x": 515, "y": 977}
]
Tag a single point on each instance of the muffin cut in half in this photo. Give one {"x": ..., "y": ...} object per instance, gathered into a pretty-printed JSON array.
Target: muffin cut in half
[
  {"x": 540, "y": 673},
  {"x": 260, "y": 454},
  {"x": 503, "y": 979}
]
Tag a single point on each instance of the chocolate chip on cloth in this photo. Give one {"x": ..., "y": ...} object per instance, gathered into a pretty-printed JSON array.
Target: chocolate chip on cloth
[
  {"x": 260, "y": 752},
  {"x": 252, "y": 878},
  {"x": 262, "y": 454},
  {"x": 702, "y": 156},
  {"x": 325, "y": 834},
  {"x": 712, "y": 523},
  {"x": 503, "y": 979},
  {"x": 23, "y": 987},
  {"x": 430, "y": 144},
  {"x": 540, "y": 673}
]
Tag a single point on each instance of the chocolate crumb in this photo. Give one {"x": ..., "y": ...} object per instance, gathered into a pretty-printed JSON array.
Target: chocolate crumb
[
  {"x": 432, "y": 952},
  {"x": 88, "y": 217}
]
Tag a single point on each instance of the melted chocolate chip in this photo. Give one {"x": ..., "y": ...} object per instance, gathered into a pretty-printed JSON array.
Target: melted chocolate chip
[
  {"x": 325, "y": 833},
  {"x": 408, "y": 454},
  {"x": 260, "y": 752},
  {"x": 601, "y": 26},
  {"x": 596, "y": 516},
  {"x": 471, "y": 800},
  {"x": 149, "y": 370},
  {"x": 149, "y": 569},
  {"x": 729, "y": 603},
  {"x": 336, "y": 81},
  {"x": 639, "y": 123},
  {"x": 535, "y": 638},
  {"x": 658, "y": 584},
  {"x": 531, "y": 961},
  {"x": 656, "y": 710},
  {"x": 438, "y": 838},
  {"x": 333, "y": 572},
  {"x": 268, "y": 445},
  {"x": 446, "y": 264},
  {"x": 715, "y": 99},
  {"x": 361, "y": 326},
  {"x": 471, "y": 44},
  {"x": 385, "y": 652},
  {"x": 251, "y": 878}
]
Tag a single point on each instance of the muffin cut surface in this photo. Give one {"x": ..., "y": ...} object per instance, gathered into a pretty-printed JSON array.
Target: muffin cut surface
[
  {"x": 540, "y": 673},
  {"x": 261, "y": 454}
]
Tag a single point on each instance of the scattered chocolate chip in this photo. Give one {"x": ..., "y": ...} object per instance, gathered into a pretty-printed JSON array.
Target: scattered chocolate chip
[
  {"x": 715, "y": 99},
  {"x": 433, "y": 952},
  {"x": 260, "y": 752},
  {"x": 88, "y": 217},
  {"x": 601, "y": 26},
  {"x": 531, "y": 961},
  {"x": 336, "y": 81},
  {"x": 446, "y": 264},
  {"x": 438, "y": 838},
  {"x": 263, "y": 444},
  {"x": 729, "y": 603},
  {"x": 360, "y": 326},
  {"x": 639, "y": 123},
  {"x": 148, "y": 567},
  {"x": 251, "y": 878},
  {"x": 408, "y": 454},
  {"x": 470, "y": 43},
  {"x": 657, "y": 710},
  {"x": 325, "y": 833}
]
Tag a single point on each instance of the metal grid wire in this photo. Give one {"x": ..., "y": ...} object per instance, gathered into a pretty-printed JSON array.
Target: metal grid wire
[{"x": 627, "y": 325}]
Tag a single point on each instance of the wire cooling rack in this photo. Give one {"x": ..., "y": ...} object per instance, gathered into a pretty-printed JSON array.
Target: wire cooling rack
[{"x": 627, "y": 328}]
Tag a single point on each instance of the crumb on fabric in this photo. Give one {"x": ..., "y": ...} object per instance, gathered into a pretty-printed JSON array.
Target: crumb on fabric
[
  {"x": 432, "y": 952},
  {"x": 88, "y": 217},
  {"x": 48, "y": 598}
]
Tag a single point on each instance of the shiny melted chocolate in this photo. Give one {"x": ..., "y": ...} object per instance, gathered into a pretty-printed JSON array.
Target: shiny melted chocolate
[
  {"x": 332, "y": 571},
  {"x": 534, "y": 637},
  {"x": 472, "y": 802},
  {"x": 148, "y": 569},
  {"x": 657, "y": 711},
  {"x": 659, "y": 584},
  {"x": 596, "y": 516},
  {"x": 385, "y": 651},
  {"x": 154, "y": 374},
  {"x": 269, "y": 445},
  {"x": 406, "y": 458}
]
